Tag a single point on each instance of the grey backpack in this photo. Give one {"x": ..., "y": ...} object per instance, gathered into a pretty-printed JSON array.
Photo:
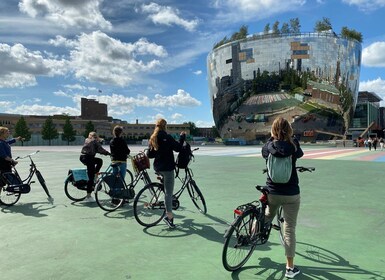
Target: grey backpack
[{"x": 279, "y": 168}]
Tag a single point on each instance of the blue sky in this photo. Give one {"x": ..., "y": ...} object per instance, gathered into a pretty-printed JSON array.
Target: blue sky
[{"x": 147, "y": 59}]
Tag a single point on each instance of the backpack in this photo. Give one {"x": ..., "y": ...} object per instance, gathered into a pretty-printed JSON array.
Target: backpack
[
  {"x": 184, "y": 156},
  {"x": 279, "y": 168}
]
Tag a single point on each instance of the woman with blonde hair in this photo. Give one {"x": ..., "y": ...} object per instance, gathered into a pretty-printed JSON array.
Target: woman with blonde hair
[
  {"x": 161, "y": 148},
  {"x": 287, "y": 195}
]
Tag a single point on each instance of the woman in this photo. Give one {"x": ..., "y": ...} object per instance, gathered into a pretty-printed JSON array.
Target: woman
[
  {"x": 119, "y": 151},
  {"x": 90, "y": 148},
  {"x": 6, "y": 161},
  {"x": 161, "y": 147},
  {"x": 287, "y": 195}
]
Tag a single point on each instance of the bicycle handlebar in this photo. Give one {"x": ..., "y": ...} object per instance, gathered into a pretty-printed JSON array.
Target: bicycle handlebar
[
  {"x": 299, "y": 168},
  {"x": 31, "y": 154}
]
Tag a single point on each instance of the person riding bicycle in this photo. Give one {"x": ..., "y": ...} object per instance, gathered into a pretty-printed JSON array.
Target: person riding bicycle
[
  {"x": 161, "y": 147},
  {"x": 6, "y": 161},
  {"x": 92, "y": 146},
  {"x": 119, "y": 151},
  {"x": 287, "y": 195}
]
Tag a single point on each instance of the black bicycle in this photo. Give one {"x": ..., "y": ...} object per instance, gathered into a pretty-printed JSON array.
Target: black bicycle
[
  {"x": 250, "y": 229},
  {"x": 12, "y": 186},
  {"x": 149, "y": 208}
]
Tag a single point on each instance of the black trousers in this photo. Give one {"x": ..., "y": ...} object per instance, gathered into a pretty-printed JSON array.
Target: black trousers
[{"x": 93, "y": 166}]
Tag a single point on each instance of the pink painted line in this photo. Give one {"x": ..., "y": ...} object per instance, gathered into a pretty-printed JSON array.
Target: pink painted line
[{"x": 328, "y": 152}]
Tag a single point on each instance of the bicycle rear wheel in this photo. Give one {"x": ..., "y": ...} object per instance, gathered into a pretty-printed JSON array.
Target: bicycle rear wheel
[
  {"x": 239, "y": 242},
  {"x": 281, "y": 225},
  {"x": 73, "y": 192},
  {"x": 197, "y": 196},
  {"x": 104, "y": 195},
  {"x": 8, "y": 198},
  {"x": 149, "y": 205}
]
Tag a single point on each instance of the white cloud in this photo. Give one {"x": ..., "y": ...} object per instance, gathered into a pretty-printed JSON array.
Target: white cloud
[
  {"x": 198, "y": 72},
  {"x": 42, "y": 110},
  {"x": 98, "y": 57},
  {"x": 168, "y": 16},
  {"x": 67, "y": 13},
  {"x": 241, "y": 10},
  {"x": 374, "y": 55},
  {"x": 377, "y": 86},
  {"x": 366, "y": 5},
  {"x": 20, "y": 66}
]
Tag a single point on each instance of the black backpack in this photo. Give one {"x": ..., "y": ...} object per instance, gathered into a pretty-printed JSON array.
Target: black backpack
[{"x": 184, "y": 156}]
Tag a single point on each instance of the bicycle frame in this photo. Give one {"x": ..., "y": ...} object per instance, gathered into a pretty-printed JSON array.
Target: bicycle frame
[{"x": 32, "y": 169}]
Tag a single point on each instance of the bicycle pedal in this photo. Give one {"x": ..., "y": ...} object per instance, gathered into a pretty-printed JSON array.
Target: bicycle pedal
[{"x": 276, "y": 227}]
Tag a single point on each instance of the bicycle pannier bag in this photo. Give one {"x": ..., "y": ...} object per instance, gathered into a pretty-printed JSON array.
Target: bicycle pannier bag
[
  {"x": 279, "y": 168},
  {"x": 80, "y": 177},
  {"x": 184, "y": 156}
]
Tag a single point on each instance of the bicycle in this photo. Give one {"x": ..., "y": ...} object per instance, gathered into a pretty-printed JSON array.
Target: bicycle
[
  {"x": 13, "y": 186},
  {"x": 149, "y": 208},
  {"x": 111, "y": 191},
  {"x": 75, "y": 185},
  {"x": 249, "y": 229}
]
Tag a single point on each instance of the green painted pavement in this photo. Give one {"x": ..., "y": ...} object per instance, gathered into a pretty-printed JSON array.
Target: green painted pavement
[{"x": 340, "y": 230}]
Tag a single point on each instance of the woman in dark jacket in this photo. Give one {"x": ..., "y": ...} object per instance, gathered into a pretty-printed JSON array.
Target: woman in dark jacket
[
  {"x": 162, "y": 147},
  {"x": 287, "y": 195},
  {"x": 119, "y": 151}
]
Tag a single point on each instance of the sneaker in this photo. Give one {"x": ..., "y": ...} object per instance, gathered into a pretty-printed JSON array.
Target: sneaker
[
  {"x": 292, "y": 272},
  {"x": 169, "y": 222},
  {"x": 89, "y": 199}
]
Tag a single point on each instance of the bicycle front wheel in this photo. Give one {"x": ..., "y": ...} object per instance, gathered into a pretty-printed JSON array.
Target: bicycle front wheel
[
  {"x": 73, "y": 192},
  {"x": 8, "y": 198},
  {"x": 239, "y": 244},
  {"x": 149, "y": 206},
  {"x": 281, "y": 225},
  {"x": 105, "y": 197},
  {"x": 197, "y": 196},
  {"x": 129, "y": 178}
]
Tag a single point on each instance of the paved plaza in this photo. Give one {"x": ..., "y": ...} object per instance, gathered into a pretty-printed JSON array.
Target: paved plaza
[{"x": 340, "y": 229}]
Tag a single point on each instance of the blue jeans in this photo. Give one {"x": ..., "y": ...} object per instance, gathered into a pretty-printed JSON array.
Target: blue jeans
[
  {"x": 168, "y": 182},
  {"x": 122, "y": 169}
]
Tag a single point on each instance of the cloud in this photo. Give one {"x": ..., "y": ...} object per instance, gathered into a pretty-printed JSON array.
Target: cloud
[
  {"x": 377, "y": 86},
  {"x": 44, "y": 110},
  {"x": 168, "y": 16},
  {"x": 241, "y": 10},
  {"x": 100, "y": 58},
  {"x": 366, "y": 5},
  {"x": 374, "y": 55},
  {"x": 67, "y": 13},
  {"x": 20, "y": 66},
  {"x": 198, "y": 72}
]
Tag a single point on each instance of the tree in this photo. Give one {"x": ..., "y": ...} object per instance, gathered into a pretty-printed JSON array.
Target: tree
[
  {"x": 89, "y": 127},
  {"x": 295, "y": 26},
  {"x": 49, "y": 131},
  {"x": 68, "y": 131},
  {"x": 285, "y": 28},
  {"x": 346, "y": 105},
  {"x": 21, "y": 129},
  {"x": 351, "y": 34},
  {"x": 276, "y": 27},
  {"x": 323, "y": 25},
  {"x": 266, "y": 30},
  {"x": 193, "y": 129}
]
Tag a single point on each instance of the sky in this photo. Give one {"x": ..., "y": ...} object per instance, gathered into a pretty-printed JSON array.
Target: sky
[{"x": 147, "y": 59}]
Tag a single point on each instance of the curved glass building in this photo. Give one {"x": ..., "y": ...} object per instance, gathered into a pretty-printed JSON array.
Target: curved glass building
[{"x": 311, "y": 79}]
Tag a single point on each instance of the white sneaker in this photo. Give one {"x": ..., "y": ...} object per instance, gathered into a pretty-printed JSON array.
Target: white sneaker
[{"x": 89, "y": 199}]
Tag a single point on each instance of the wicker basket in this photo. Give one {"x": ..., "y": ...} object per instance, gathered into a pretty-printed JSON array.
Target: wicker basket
[{"x": 141, "y": 162}]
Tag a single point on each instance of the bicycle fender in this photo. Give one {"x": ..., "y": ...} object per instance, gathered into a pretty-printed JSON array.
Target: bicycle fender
[{"x": 231, "y": 225}]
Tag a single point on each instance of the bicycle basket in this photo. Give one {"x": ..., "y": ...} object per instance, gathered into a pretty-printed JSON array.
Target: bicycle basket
[{"x": 141, "y": 162}]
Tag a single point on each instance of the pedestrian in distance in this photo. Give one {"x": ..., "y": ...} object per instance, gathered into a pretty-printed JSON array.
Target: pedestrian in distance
[
  {"x": 287, "y": 195},
  {"x": 91, "y": 147},
  {"x": 6, "y": 161},
  {"x": 161, "y": 147},
  {"x": 119, "y": 151}
]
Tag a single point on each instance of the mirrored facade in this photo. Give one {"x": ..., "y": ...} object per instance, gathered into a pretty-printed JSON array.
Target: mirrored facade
[{"x": 311, "y": 79}]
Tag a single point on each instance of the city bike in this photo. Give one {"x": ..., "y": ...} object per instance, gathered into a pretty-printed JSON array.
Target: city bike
[
  {"x": 12, "y": 186},
  {"x": 250, "y": 229},
  {"x": 149, "y": 208},
  {"x": 111, "y": 191}
]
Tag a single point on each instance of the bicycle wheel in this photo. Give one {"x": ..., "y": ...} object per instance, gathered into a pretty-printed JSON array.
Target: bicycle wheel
[
  {"x": 129, "y": 177},
  {"x": 43, "y": 184},
  {"x": 197, "y": 196},
  {"x": 281, "y": 225},
  {"x": 239, "y": 243},
  {"x": 8, "y": 198},
  {"x": 73, "y": 192},
  {"x": 149, "y": 205},
  {"x": 104, "y": 195}
]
